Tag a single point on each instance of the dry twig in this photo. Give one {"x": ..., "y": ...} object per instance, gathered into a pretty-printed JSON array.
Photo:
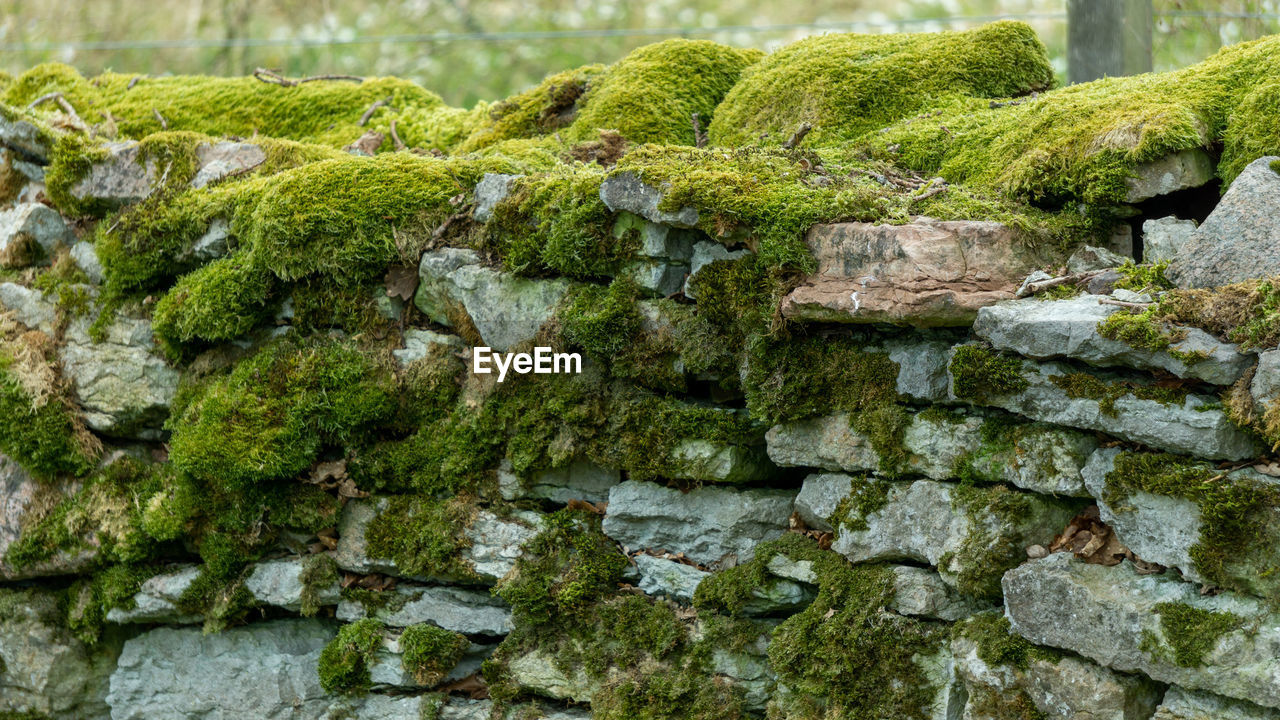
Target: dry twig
[
  {"x": 364, "y": 119},
  {"x": 275, "y": 78},
  {"x": 797, "y": 137}
]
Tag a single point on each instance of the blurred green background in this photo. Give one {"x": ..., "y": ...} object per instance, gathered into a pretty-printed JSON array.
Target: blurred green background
[{"x": 468, "y": 50}]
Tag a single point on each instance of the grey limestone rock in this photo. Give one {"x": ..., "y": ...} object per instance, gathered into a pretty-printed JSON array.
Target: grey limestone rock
[{"x": 1241, "y": 237}]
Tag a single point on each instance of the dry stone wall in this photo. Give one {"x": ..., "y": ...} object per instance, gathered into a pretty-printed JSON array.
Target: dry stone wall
[{"x": 868, "y": 423}]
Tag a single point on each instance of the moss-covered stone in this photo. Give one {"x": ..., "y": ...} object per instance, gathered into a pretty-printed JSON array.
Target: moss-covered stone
[
  {"x": 1189, "y": 633},
  {"x": 38, "y": 424},
  {"x": 423, "y": 536},
  {"x": 346, "y": 660},
  {"x": 977, "y": 372},
  {"x": 846, "y": 85},
  {"x": 271, "y": 416},
  {"x": 429, "y": 653}
]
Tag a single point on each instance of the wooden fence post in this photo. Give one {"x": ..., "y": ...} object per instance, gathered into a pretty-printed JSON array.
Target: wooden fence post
[{"x": 1108, "y": 38}]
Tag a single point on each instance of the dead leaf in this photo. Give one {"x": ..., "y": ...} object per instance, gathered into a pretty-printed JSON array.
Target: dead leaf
[
  {"x": 402, "y": 281},
  {"x": 368, "y": 143},
  {"x": 473, "y": 685}
]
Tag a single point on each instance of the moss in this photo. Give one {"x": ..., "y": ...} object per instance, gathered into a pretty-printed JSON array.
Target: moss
[
  {"x": 998, "y": 645},
  {"x": 647, "y": 694},
  {"x": 771, "y": 197},
  {"x": 42, "y": 433},
  {"x": 650, "y": 95},
  {"x": 986, "y": 702},
  {"x": 550, "y": 106},
  {"x": 88, "y": 601},
  {"x": 1083, "y": 142},
  {"x": 322, "y": 112},
  {"x": 867, "y": 495},
  {"x": 376, "y": 601},
  {"x": 1247, "y": 313},
  {"x": 995, "y": 544},
  {"x": 556, "y": 223},
  {"x": 221, "y": 301},
  {"x": 1084, "y": 385},
  {"x": 1233, "y": 514},
  {"x": 1143, "y": 278},
  {"x": 345, "y": 661},
  {"x": 603, "y": 321},
  {"x": 798, "y": 378},
  {"x": 430, "y": 652},
  {"x": 846, "y": 649},
  {"x": 978, "y": 373},
  {"x": 363, "y": 310},
  {"x": 423, "y": 536},
  {"x": 1138, "y": 330},
  {"x": 103, "y": 517},
  {"x": 1189, "y": 633},
  {"x": 565, "y": 569},
  {"x": 319, "y": 573},
  {"x": 271, "y": 416},
  {"x": 847, "y": 85}
]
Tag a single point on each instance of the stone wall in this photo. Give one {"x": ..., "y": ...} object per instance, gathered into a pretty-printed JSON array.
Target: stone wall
[{"x": 849, "y": 440}]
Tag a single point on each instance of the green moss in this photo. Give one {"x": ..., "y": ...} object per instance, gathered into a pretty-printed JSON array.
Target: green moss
[
  {"x": 430, "y": 652},
  {"x": 998, "y": 645},
  {"x": 88, "y": 601},
  {"x": 791, "y": 379},
  {"x": 603, "y": 321},
  {"x": 1234, "y": 514},
  {"x": 1084, "y": 385},
  {"x": 650, "y": 95},
  {"x": 667, "y": 694},
  {"x": 544, "y": 109},
  {"x": 221, "y": 301},
  {"x": 1138, "y": 330},
  {"x": 322, "y": 112},
  {"x": 423, "y": 536},
  {"x": 986, "y": 702},
  {"x": 995, "y": 543},
  {"x": 565, "y": 569},
  {"x": 847, "y": 85},
  {"x": 1085, "y": 141},
  {"x": 1247, "y": 313},
  {"x": 978, "y": 373},
  {"x": 271, "y": 416},
  {"x": 556, "y": 223},
  {"x": 345, "y": 661},
  {"x": 771, "y": 198},
  {"x": 1189, "y": 633},
  {"x": 377, "y": 601},
  {"x": 846, "y": 649},
  {"x": 867, "y": 495},
  {"x": 1143, "y": 278},
  {"x": 41, "y": 434},
  {"x": 319, "y": 573}
]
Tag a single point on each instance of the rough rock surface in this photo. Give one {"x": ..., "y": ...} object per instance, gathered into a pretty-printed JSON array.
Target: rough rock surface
[
  {"x": 1035, "y": 457},
  {"x": 19, "y": 494},
  {"x": 705, "y": 253},
  {"x": 625, "y": 191},
  {"x": 706, "y": 461},
  {"x": 496, "y": 543},
  {"x": 1239, "y": 239},
  {"x": 922, "y": 592},
  {"x": 86, "y": 258},
  {"x": 157, "y": 600},
  {"x": 1069, "y": 328},
  {"x": 492, "y": 189},
  {"x": 29, "y": 234},
  {"x": 1069, "y": 688},
  {"x": 706, "y": 524},
  {"x": 220, "y": 159},
  {"x": 1265, "y": 385},
  {"x": 263, "y": 670},
  {"x": 280, "y": 583},
  {"x": 1194, "y": 427},
  {"x": 1178, "y": 171},
  {"x": 668, "y": 578},
  {"x": 1112, "y": 615},
  {"x": 1179, "y": 704},
  {"x": 502, "y": 309},
  {"x": 579, "y": 480},
  {"x": 44, "y": 671},
  {"x": 926, "y": 273},
  {"x": 470, "y": 612},
  {"x": 920, "y": 522},
  {"x": 121, "y": 178},
  {"x": 25, "y": 138},
  {"x": 1090, "y": 258},
  {"x": 1162, "y": 238},
  {"x": 417, "y": 342}
]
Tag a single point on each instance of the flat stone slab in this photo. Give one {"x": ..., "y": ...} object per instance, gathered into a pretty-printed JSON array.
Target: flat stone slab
[
  {"x": 1177, "y": 171},
  {"x": 470, "y": 612},
  {"x": 1113, "y": 616},
  {"x": 1044, "y": 329},
  {"x": 925, "y": 273},
  {"x": 707, "y": 524},
  {"x": 1196, "y": 426}
]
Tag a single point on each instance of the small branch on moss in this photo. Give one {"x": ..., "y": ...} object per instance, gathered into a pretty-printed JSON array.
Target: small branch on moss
[
  {"x": 931, "y": 189},
  {"x": 395, "y": 137},
  {"x": 58, "y": 98},
  {"x": 1121, "y": 303},
  {"x": 275, "y": 78},
  {"x": 1038, "y": 287},
  {"x": 164, "y": 124},
  {"x": 797, "y": 137},
  {"x": 699, "y": 136},
  {"x": 364, "y": 119},
  {"x": 132, "y": 81},
  {"x": 439, "y": 232}
]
